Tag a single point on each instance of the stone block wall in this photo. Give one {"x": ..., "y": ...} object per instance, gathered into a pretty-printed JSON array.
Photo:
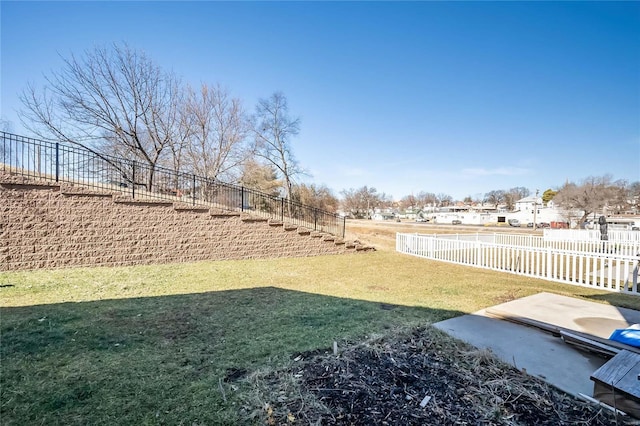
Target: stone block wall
[{"x": 48, "y": 226}]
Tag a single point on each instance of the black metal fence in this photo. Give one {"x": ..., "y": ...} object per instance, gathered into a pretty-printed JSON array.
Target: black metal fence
[{"x": 57, "y": 162}]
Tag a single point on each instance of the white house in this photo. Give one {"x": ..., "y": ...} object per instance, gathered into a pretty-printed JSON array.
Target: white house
[
  {"x": 378, "y": 215},
  {"x": 528, "y": 204}
]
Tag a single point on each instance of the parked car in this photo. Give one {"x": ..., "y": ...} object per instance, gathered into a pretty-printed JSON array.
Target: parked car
[
  {"x": 514, "y": 222},
  {"x": 456, "y": 222},
  {"x": 544, "y": 225}
]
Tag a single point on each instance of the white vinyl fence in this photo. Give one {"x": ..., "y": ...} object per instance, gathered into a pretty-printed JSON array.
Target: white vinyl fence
[
  {"x": 590, "y": 234},
  {"x": 584, "y": 263}
]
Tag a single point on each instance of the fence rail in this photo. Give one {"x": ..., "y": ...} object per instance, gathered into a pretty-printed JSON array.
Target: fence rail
[
  {"x": 591, "y": 234},
  {"x": 587, "y": 266},
  {"x": 624, "y": 247},
  {"x": 57, "y": 162}
]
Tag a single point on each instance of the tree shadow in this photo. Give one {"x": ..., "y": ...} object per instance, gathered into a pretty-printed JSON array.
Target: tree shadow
[{"x": 167, "y": 357}]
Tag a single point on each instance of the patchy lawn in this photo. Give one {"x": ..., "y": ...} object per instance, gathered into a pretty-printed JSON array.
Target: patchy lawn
[{"x": 184, "y": 343}]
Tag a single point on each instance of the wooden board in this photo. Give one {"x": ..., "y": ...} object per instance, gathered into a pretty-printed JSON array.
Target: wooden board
[
  {"x": 505, "y": 315},
  {"x": 621, "y": 373},
  {"x": 616, "y": 382},
  {"x": 586, "y": 341},
  {"x": 589, "y": 344}
]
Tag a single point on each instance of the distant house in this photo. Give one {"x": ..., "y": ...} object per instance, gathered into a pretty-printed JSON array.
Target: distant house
[
  {"x": 527, "y": 204},
  {"x": 383, "y": 216}
]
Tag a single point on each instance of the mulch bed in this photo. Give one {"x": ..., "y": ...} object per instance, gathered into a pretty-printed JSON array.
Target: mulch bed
[{"x": 416, "y": 377}]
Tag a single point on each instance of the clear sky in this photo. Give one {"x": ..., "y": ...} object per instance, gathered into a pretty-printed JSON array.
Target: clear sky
[{"x": 448, "y": 97}]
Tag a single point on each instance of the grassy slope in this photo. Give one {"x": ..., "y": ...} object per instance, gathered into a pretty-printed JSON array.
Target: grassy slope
[{"x": 162, "y": 344}]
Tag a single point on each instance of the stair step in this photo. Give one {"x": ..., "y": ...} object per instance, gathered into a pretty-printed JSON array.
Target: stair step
[
  {"x": 183, "y": 207},
  {"x": 71, "y": 190},
  {"x": 30, "y": 185},
  {"x": 304, "y": 231},
  {"x": 119, "y": 199},
  {"x": 247, "y": 219}
]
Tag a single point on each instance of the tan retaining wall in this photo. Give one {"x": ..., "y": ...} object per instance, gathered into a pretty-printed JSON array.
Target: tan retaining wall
[{"x": 51, "y": 227}]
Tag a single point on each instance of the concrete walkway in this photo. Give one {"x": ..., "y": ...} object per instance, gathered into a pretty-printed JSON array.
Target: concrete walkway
[{"x": 540, "y": 353}]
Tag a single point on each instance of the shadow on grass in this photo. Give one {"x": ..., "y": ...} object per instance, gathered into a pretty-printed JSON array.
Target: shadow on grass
[
  {"x": 617, "y": 299},
  {"x": 171, "y": 359}
]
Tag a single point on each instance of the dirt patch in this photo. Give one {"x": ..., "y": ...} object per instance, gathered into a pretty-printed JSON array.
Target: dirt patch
[{"x": 415, "y": 377}]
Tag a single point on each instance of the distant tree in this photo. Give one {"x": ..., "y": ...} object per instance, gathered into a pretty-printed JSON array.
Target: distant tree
[
  {"x": 111, "y": 101},
  {"x": 444, "y": 200},
  {"x": 408, "y": 201},
  {"x": 592, "y": 195},
  {"x": 385, "y": 201},
  {"x": 427, "y": 199},
  {"x": 273, "y": 129},
  {"x": 513, "y": 195},
  {"x": 360, "y": 202},
  {"x": 5, "y": 126},
  {"x": 633, "y": 196},
  {"x": 261, "y": 177},
  {"x": 548, "y": 195},
  {"x": 468, "y": 200},
  {"x": 217, "y": 129},
  {"x": 495, "y": 197},
  {"x": 519, "y": 192},
  {"x": 510, "y": 201},
  {"x": 319, "y": 197}
]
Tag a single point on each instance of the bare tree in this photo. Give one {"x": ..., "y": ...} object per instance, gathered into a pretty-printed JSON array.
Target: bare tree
[
  {"x": 110, "y": 101},
  {"x": 273, "y": 129},
  {"x": 592, "y": 195},
  {"x": 360, "y": 202},
  {"x": 408, "y": 201},
  {"x": 444, "y": 200},
  {"x": 217, "y": 129},
  {"x": 633, "y": 197},
  {"x": 5, "y": 126},
  {"x": 319, "y": 197},
  {"x": 510, "y": 197},
  {"x": 495, "y": 197},
  {"x": 427, "y": 199}
]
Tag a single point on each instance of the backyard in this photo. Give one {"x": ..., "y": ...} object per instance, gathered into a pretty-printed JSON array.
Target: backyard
[{"x": 251, "y": 342}]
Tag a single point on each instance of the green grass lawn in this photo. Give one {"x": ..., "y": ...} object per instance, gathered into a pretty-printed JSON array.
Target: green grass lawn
[{"x": 171, "y": 344}]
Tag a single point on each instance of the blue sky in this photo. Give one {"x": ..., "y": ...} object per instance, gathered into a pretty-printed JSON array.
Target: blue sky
[{"x": 448, "y": 97}]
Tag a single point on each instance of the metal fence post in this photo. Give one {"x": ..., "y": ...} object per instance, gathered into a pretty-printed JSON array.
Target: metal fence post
[
  {"x": 57, "y": 161},
  {"x": 282, "y": 209},
  {"x": 193, "y": 190},
  {"x": 133, "y": 179},
  {"x": 242, "y": 198}
]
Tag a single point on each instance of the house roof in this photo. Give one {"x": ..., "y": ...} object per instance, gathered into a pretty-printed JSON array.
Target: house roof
[{"x": 527, "y": 200}]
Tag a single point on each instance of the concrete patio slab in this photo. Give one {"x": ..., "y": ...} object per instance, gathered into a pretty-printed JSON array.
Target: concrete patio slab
[
  {"x": 538, "y": 352},
  {"x": 569, "y": 313}
]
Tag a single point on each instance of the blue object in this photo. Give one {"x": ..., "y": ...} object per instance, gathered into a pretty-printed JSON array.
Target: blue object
[{"x": 628, "y": 336}]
